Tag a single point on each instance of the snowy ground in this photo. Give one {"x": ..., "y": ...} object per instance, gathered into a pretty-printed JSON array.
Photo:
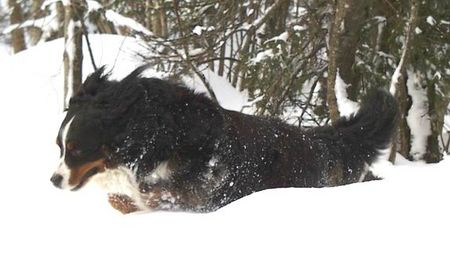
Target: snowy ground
[{"x": 397, "y": 225}]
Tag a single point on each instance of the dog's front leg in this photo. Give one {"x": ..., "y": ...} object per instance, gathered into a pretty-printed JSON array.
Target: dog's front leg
[{"x": 122, "y": 203}]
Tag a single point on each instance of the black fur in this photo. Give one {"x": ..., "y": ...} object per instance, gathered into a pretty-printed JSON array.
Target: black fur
[{"x": 217, "y": 156}]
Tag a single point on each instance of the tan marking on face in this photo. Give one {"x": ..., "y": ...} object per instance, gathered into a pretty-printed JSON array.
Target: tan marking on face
[{"x": 77, "y": 175}]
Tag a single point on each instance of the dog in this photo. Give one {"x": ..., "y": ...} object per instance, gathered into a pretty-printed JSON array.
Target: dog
[{"x": 153, "y": 144}]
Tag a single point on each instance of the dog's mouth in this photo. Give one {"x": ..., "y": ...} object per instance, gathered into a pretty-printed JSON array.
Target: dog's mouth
[
  {"x": 86, "y": 177},
  {"x": 80, "y": 176}
]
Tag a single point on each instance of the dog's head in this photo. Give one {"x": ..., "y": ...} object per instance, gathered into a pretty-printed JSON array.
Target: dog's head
[
  {"x": 86, "y": 136},
  {"x": 81, "y": 138},
  {"x": 81, "y": 156},
  {"x": 136, "y": 123}
]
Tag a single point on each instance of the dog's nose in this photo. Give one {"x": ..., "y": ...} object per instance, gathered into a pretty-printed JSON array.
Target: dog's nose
[{"x": 56, "y": 180}]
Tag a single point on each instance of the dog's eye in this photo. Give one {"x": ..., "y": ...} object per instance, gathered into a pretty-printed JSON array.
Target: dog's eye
[
  {"x": 73, "y": 150},
  {"x": 76, "y": 152},
  {"x": 70, "y": 146}
]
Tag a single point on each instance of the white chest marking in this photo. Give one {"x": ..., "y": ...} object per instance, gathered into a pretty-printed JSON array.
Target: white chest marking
[{"x": 120, "y": 180}]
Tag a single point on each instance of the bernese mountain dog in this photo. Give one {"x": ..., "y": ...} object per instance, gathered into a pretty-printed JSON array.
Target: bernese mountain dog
[{"x": 156, "y": 145}]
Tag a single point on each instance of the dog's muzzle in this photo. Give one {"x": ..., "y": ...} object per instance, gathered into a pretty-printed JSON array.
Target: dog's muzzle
[{"x": 75, "y": 178}]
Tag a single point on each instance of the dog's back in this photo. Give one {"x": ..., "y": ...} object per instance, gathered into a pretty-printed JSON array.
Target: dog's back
[{"x": 266, "y": 153}]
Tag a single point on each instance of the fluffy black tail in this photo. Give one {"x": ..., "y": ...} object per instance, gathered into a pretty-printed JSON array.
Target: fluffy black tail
[{"x": 370, "y": 130}]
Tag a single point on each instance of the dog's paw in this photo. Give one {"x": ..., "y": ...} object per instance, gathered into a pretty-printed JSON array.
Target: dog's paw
[{"x": 122, "y": 203}]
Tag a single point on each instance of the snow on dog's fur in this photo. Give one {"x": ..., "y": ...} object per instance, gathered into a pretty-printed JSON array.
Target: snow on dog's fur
[{"x": 157, "y": 145}]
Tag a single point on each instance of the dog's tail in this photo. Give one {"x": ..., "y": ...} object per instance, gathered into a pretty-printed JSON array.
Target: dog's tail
[
  {"x": 370, "y": 130},
  {"x": 359, "y": 139}
]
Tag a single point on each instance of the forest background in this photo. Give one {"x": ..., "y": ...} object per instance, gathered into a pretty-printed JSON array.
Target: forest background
[{"x": 303, "y": 61}]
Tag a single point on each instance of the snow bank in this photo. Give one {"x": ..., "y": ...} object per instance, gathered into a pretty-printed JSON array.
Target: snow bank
[
  {"x": 398, "y": 225},
  {"x": 5, "y": 51},
  {"x": 120, "y": 20},
  {"x": 227, "y": 96}
]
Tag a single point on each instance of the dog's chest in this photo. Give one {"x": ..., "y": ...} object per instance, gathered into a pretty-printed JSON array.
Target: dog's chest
[{"x": 185, "y": 188}]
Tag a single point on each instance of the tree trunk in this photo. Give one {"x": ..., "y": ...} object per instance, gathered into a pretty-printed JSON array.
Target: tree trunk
[
  {"x": 148, "y": 14},
  {"x": 333, "y": 46},
  {"x": 16, "y": 17},
  {"x": 156, "y": 22},
  {"x": 156, "y": 19},
  {"x": 354, "y": 20},
  {"x": 349, "y": 18},
  {"x": 222, "y": 53},
  {"x": 399, "y": 88},
  {"x": 437, "y": 106},
  {"x": 60, "y": 14},
  {"x": 277, "y": 23},
  {"x": 73, "y": 51},
  {"x": 35, "y": 33},
  {"x": 403, "y": 135},
  {"x": 163, "y": 20}
]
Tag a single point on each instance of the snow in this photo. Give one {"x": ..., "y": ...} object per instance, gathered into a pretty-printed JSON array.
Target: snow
[
  {"x": 4, "y": 4},
  {"x": 283, "y": 37},
  {"x": 5, "y": 51},
  {"x": 397, "y": 225},
  {"x": 301, "y": 11},
  {"x": 51, "y": 2},
  {"x": 418, "y": 119},
  {"x": 299, "y": 28},
  {"x": 120, "y": 20},
  {"x": 227, "y": 96},
  {"x": 198, "y": 30},
  {"x": 93, "y": 6},
  {"x": 397, "y": 73},
  {"x": 292, "y": 114},
  {"x": 346, "y": 106},
  {"x": 431, "y": 20},
  {"x": 447, "y": 123},
  {"x": 380, "y": 19},
  {"x": 41, "y": 23},
  {"x": 438, "y": 75},
  {"x": 263, "y": 55}
]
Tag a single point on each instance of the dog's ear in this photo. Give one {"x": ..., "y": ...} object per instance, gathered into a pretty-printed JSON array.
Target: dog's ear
[
  {"x": 131, "y": 78},
  {"x": 93, "y": 83}
]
